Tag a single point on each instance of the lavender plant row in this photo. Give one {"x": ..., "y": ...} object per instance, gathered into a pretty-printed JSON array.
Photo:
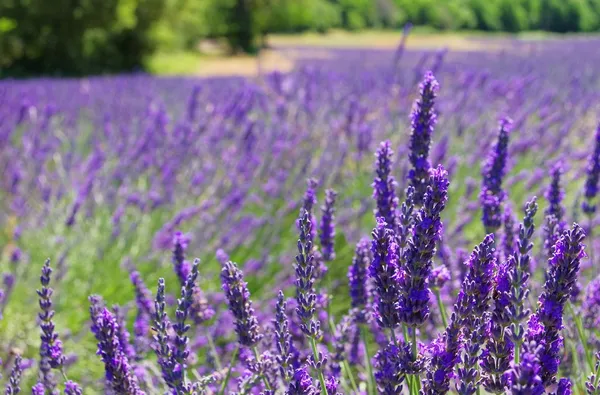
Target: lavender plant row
[{"x": 461, "y": 259}]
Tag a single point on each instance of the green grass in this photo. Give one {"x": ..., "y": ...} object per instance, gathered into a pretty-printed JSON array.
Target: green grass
[{"x": 174, "y": 63}]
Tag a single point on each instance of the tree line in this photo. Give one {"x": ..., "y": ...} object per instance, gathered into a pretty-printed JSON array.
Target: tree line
[{"x": 77, "y": 37}]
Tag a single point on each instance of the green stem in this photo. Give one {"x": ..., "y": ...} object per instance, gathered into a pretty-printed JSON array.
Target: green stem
[
  {"x": 371, "y": 376},
  {"x": 415, "y": 353},
  {"x": 213, "y": 350},
  {"x": 264, "y": 378},
  {"x": 442, "y": 307},
  {"x": 313, "y": 346},
  {"x": 582, "y": 337},
  {"x": 62, "y": 372},
  {"x": 350, "y": 376},
  {"x": 597, "y": 379},
  {"x": 345, "y": 365},
  {"x": 228, "y": 375},
  {"x": 517, "y": 353}
]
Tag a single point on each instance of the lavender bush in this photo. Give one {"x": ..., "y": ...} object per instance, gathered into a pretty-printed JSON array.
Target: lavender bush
[{"x": 416, "y": 259}]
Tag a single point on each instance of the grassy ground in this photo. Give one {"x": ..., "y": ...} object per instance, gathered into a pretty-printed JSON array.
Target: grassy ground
[{"x": 214, "y": 62}]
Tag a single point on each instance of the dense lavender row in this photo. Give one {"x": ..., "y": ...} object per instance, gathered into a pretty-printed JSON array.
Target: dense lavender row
[{"x": 464, "y": 285}]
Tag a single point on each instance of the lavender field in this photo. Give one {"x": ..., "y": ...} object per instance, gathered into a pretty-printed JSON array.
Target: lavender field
[{"x": 373, "y": 222}]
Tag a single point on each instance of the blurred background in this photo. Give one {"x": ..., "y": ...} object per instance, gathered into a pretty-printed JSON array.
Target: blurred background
[{"x": 83, "y": 37}]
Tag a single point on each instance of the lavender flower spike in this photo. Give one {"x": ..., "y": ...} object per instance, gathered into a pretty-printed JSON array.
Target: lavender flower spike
[
  {"x": 240, "y": 305},
  {"x": 181, "y": 350},
  {"x": 12, "y": 387},
  {"x": 145, "y": 310},
  {"x": 162, "y": 347},
  {"x": 118, "y": 373},
  {"x": 283, "y": 340},
  {"x": 308, "y": 202},
  {"x": 302, "y": 383},
  {"x": 525, "y": 377},
  {"x": 327, "y": 230},
  {"x": 387, "y": 373},
  {"x": 384, "y": 186},
  {"x": 384, "y": 272},
  {"x": 477, "y": 292},
  {"x": 51, "y": 347},
  {"x": 471, "y": 303},
  {"x": 38, "y": 389},
  {"x": 357, "y": 279},
  {"x": 423, "y": 120},
  {"x": 72, "y": 388},
  {"x": 593, "y": 175},
  {"x": 554, "y": 225},
  {"x": 181, "y": 266},
  {"x": 545, "y": 325},
  {"x": 417, "y": 260},
  {"x": 492, "y": 195},
  {"x": 305, "y": 279}
]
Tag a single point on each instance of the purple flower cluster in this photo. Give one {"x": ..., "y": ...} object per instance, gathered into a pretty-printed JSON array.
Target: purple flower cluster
[
  {"x": 492, "y": 195},
  {"x": 545, "y": 325},
  {"x": 119, "y": 374},
  {"x": 327, "y": 228},
  {"x": 212, "y": 166},
  {"x": 51, "y": 351},
  {"x": 593, "y": 175},
  {"x": 417, "y": 259},
  {"x": 422, "y": 120},
  {"x": 384, "y": 186}
]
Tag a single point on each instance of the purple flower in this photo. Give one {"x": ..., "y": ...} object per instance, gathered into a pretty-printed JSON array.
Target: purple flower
[
  {"x": 118, "y": 372},
  {"x": 72, "y": 388},
  {"x": 406, "y": 218},
  {"x": 387, "y": 370},
  {"x": 591, "y": 304},
  {"x": 560, "y": 279},
  {"x": 384, "y": 272},
  {"x": 172, "y": 374},
  {"x": 444, "y": 356},
  {"x": 301, "y": 383},
  {"x": 440, "y": 275},
  {"x": 564, "y": 387},
  {"x": 240, "y": 305},
  {"x": 331, "y": 385},
  {"x": 593, "y": 175},
  {"x": 509, "y": 239},
  {"x": 12, "y": 387},
  {"x": 554, "y": 224},
  {"x": 145, "y": 310},
  {"x": 123, "y": 334},
  {"x": 473, "y": 307},
  {"x": 286, "y": 352},
  {"x": 200, "y": 310},
  {"x": 384, "y": 186},
  {"x": 51, "y": 346},
  {"x": 327, "y": 229},
  {"x": 340, "y": 339},
  {"x": 357, "y": 279},
  {"x": 471, "y": 304},
  {"x": 555, "y": 194},
  {"x": 308, "y": 202},
  {"x": 422, "y": 120},
  {"x": 305, "y": 279},
  {"x": 417, "y": 260},
  {"x": 38, "y": 389},
  {"x": 180, "y": 265},
  {"x": 592, "y": 385},
  {"x": 492, "y": 195},
  {"x": 525, "y": 377}
]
